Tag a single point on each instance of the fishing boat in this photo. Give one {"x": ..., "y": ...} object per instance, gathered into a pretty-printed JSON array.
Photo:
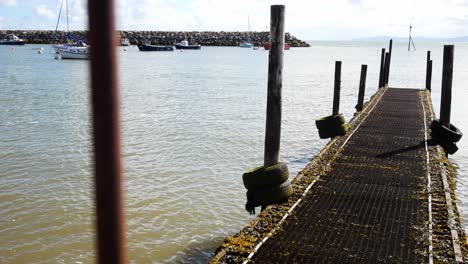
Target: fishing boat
[
  {"x": 12, "y": 40},
  {"x": 184, "y": 44},
  {"x": 76, "y": 53},
  {"x": 124, "y": 42},
  {"x": 266, "y": 46},
  {"x": 247, "y": 43},
  {"x": 149, "y": 47}
]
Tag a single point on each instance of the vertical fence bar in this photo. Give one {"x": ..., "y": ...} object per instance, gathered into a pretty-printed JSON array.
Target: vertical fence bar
[
  {"x": 387, "y": 72},
  {"x": 275, "y": 85},
  {"x": 382, "y": 69},
  {"x": 428, "y": 71},
  {"x": 362, "y": 88},
  {"x": 337, "y": 88},
  {"x": 446, "y": 96},
  {"x": 106, "y": 131}
]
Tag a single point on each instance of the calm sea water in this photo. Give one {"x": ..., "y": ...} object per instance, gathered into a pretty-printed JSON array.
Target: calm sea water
[{"x": 192, "y": 123}]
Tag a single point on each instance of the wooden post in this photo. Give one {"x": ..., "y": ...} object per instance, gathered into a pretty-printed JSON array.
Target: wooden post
[
  {"x": 110, "y": 221},
  {"x": 274, "y": 103},
  {"x": 429, "y": 75},
  {"x": 387, "y": 73},
  {"x": 446, "y": 96},
  {"x": 382, "y": 64},
  {"x": 386, "y": 65},
  {"x": 336, "y": 93},
  {"x": 428, "y": 70},
  {"x": 362, "y": 88}
]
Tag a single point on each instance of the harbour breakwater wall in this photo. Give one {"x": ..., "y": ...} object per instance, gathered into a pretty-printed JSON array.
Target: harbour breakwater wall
[{"x": 205, "y": 38}]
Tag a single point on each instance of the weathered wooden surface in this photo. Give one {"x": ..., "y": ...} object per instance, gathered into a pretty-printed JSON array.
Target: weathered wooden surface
[{"x": 275, "y": 85}]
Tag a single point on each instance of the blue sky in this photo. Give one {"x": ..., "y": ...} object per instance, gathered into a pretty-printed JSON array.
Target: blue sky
[{"x": 307, "y": 19}]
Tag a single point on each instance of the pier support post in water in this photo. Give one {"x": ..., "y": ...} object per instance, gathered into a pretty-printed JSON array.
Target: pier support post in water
[
  {"x": 275, "y": 84},
  {"x": 106, "y": 133},
  {"x": 386, "y": 65},
  {"x": 382, "y": 69},
  {"x": 428, "y": 70},
  {"x": 446, "y": 96},
  {"x": 389, "y": 56},
  {"x": 337, "y": 88},
  {"x": 362, "y": 88}
]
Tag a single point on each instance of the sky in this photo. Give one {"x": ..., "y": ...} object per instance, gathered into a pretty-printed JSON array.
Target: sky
[{"x": 306, "y": 19}]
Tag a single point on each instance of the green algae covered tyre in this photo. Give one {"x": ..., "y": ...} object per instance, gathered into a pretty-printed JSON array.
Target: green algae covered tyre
[
  {"x": 330, "y": 121},
  {"x": 450, "y": 134},
  {"x": 333, "y": 131},
  {"x": 261, "y": 177},
  {"x": 270, "y": 195}
]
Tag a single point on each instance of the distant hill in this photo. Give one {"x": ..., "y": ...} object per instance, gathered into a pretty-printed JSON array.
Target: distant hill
[{"x": 386, "y": 38}]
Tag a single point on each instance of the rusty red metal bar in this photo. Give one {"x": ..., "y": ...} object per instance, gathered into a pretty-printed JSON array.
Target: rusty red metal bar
[{"x": 106, "y": 130}]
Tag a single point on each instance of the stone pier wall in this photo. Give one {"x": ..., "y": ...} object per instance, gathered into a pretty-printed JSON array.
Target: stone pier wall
[{"x": 205, "y": 38}]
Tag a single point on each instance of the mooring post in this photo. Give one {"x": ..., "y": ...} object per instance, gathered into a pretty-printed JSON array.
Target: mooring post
[
  {"x": 362, "y": 88},
  {"x": 386, "y": 65},
  {"x": 446, "y": 96},
  {"x": 336, "y": 93},
  {"x": 387, "y": 73},
  {"x": 382, "y": 65},
  {"x": 110, "y": 224},
  {"x": 274, "y": 103},
  {"x": 428, "y": 70},
  {"x": 429, "y": 75}
]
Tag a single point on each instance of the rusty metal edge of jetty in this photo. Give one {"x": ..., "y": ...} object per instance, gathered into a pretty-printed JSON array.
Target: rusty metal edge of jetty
[{"x": 445, "y": 217}]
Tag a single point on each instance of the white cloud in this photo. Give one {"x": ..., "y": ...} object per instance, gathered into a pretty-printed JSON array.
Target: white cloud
[
  {"x": 311, "y": 19},
  {"x": 44, "y": 11},
  {"x": 7, "y": 2}
]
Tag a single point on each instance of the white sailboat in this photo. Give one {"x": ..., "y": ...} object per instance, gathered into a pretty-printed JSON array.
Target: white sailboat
[
  {"x": 80, "y": 53},
  {"x": 247, "y": 43},
  {"x": 70, "y": 50}
]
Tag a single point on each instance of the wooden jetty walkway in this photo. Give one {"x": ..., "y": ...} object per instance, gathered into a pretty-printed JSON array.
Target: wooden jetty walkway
[
  {"x": 371, "y": 206},
  {"x": 377, "y": 195},
  {"x": 381, "y": 192}
]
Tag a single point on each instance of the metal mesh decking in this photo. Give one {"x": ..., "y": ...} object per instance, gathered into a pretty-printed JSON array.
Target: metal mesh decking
[{"x": 371, "y": 207}]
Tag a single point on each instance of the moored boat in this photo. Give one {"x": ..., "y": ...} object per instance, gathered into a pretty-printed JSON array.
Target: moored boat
[
  {"x": 246, "y": 44},
  {"x": 124, "y": 42},
  {"x": 148, "y": 47},
  {"x": 184, "y": 44},
  {"x": 12, "y": 40},
  {"x": 266, "y": 46},
  {"x": 77, "y": 53}
]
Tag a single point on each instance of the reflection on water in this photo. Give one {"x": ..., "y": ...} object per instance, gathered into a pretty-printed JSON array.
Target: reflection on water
[{"x": 192, "y": 123}]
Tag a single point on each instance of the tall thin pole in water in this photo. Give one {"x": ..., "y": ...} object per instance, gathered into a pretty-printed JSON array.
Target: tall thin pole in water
[{"x": 106, "y": 130}]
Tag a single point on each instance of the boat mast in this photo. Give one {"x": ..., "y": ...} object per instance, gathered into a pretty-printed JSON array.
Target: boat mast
[
  {"x": 67, "y": 15},
  {"x": 248, "y": 28},
  {"x": 58, "y": 20}
]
